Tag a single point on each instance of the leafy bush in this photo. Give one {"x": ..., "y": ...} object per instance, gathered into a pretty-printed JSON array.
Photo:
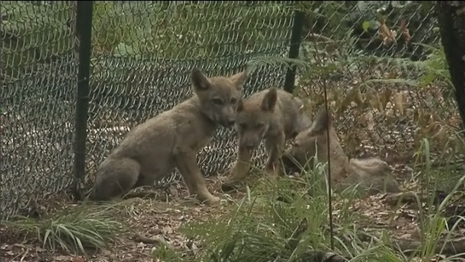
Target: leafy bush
[
  {"x": 392, "y": 88},
  {"x": 191, "y": 31},
  {"x": 332, "y": 20}
]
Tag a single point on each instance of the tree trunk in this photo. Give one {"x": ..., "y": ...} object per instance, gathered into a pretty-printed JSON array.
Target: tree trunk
[{"x": 451, "y": 18}]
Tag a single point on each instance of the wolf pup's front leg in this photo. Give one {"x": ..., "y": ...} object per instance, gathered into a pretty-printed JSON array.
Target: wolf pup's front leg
[
  {"x": 242, "y": 165},
  {"x": 275, "y": 146},
  {"x": 187, "y": 165}
]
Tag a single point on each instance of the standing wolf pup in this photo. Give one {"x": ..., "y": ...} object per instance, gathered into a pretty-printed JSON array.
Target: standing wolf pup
[
  {"x": 171, "y": 140},
  {"x": 370, "y": 175},
  {"x": 273, "y": 115}
]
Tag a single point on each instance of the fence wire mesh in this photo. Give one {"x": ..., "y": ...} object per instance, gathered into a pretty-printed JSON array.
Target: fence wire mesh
[
  {"x": 39, "y": 74},
  {"x": 386, "y": 75},
  {"x": 384, "y": 78},
  {"x": 143, "y": 53},
  {"x": 153, "y": 54}
]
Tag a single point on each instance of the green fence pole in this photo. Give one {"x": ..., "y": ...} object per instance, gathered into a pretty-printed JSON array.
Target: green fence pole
[
  {"x": 84, "y": 32},
  {"x": 296, "y": 39}
]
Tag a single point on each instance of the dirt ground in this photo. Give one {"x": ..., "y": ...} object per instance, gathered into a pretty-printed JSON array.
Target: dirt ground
[{"x": 152, "y": 221}]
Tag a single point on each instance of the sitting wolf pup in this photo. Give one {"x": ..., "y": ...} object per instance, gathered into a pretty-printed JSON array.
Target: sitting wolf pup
[
  {"x": 273, "y": 115},
  {"x": 369, "y": 175},
  {"x": 171, "y": 140}
]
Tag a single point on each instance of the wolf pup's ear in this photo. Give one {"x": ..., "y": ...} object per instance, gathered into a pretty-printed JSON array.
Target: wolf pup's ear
[
  {"x": 270, "y": 99},
  {"x": 239, "y": 79},
  {"x": 200, "y": 81}
]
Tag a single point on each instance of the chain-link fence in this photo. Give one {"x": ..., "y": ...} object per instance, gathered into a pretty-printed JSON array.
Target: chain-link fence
[
  {"x": 142, "y": 54},
  {"x": 386, "y": 75},
  {"x": 379, "y": 80},
  {"x": 39, "y": 75},
  {"x": 153, "y": 55}
]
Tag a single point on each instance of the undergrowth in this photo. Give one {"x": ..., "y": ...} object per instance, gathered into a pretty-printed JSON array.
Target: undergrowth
[
  {"x": 288, "y": 221},
  {"x": 76, "y": 230},
  {"x": 284, "y": 220}
]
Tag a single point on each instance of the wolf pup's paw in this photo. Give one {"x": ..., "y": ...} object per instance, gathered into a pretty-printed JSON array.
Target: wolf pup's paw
[
  {"x": 212, "y": 201},
  {"x": 208, "y": 199}
]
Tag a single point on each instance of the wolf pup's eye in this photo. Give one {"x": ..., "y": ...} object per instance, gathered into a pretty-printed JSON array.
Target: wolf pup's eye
[
  {"x": 259, "y": 125},
  {"x": 233, "y": 100},
  {"x": 217, "y": 101}
]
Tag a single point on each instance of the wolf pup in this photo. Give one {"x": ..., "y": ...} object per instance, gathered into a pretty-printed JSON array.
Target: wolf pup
[
  {"x": 272, "y": 114},
  {"x": 370, "y": 175},
  {"x": 171, "y": 140}
]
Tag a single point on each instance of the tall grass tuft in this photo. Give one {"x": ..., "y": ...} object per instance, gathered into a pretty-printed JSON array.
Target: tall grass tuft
[{"x": 74, "y": 231}]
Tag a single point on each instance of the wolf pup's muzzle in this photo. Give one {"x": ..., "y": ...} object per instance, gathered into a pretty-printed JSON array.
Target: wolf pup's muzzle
[{"x": 228, "y": 122}]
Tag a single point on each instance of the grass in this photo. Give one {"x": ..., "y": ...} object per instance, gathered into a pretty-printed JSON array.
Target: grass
[
  {"x": 284, "y": 221},
  {"x": 76, "y": 230},
  {"x": 275, "y": 221},
  {"x": 264, "y": 223}
]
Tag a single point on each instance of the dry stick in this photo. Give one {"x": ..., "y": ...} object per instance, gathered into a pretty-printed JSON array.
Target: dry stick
[
  {"x": 313, "y": 255},
  {"x": 446, "y": 247},
  {"x": 330, "y": 202},
  {"x": 294, "y": 239},
  {"x": 142, "y": 194},
  {"x": 146, "y": 240},
  {"x": 321, "y": 256}
]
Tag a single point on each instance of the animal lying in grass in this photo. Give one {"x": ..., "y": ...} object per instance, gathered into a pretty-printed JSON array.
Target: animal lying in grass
[
  {"x": 273, "y": 115},
  {"x": 171, "y": 140},
  {"x": 369, "y": 176}
]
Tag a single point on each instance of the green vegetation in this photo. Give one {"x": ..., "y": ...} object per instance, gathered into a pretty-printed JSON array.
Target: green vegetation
[
  {"x": 32, "y": 33},
  {"x": 137, "y": 30},
  {"x": 287, "y": 221},
  {"x": 75, "y": 230},
  {"x": 188, "y": 31},
  {"x": 275, "y": 221}
]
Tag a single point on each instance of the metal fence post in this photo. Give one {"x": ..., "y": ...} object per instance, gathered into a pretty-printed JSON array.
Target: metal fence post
[
  {"x": 84, "y": 32},
  {"x": 296, "y": 39}
]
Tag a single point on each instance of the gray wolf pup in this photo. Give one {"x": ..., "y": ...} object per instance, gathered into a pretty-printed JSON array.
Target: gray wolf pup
[
  {"x": 171, "y": 140},
  {"x": 273, "y": 115},
  {"x": 370, "y": 175}
]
